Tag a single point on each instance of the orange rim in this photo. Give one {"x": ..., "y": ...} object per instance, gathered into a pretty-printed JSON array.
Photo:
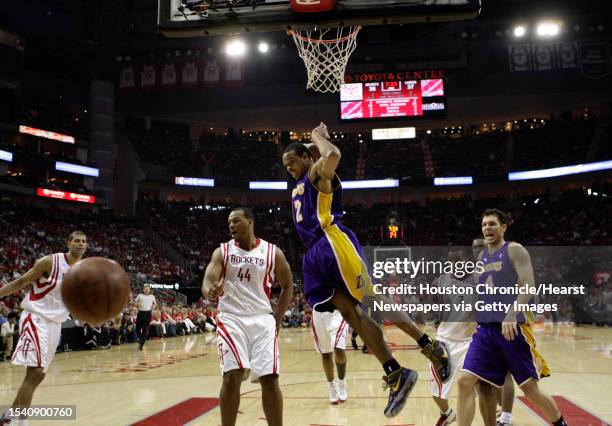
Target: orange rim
[{"x": 330, "y": 41}]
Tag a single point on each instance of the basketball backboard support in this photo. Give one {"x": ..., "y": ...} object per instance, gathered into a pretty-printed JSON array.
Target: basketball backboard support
[{"x": 197, "y": 18}]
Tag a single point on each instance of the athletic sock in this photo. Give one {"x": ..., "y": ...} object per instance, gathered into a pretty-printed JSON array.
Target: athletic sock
[
  {"x": 447, "y": 412},
  {"x": 391, "y": 366},
  {"x": 424, "y": 340}
]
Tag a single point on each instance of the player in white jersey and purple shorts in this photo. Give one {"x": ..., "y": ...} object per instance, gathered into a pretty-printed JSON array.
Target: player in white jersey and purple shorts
[
  {"x": 44, "y": 311},
  {"x": 240, "y": 274},
  {"x": 330, "y": 331}
]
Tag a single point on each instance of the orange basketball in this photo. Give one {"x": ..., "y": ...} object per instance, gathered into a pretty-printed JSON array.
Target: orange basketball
[{"x": 96, "y": 289}]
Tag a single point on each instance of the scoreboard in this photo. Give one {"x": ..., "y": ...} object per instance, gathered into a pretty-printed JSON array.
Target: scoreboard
[{"x": 393, "y": 95}]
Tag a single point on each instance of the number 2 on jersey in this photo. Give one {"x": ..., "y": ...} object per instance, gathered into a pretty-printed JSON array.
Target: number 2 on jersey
[
  {"x": 246, "y": 276},
  {"x": 298, "y": 214}
]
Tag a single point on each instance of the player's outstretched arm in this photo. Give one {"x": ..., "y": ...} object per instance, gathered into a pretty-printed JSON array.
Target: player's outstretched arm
[
  {"x": 211, "y": 286},
  {"x": 325, "y": 167},
  {"x": 40, "y": 267},
  {"x": 282, "y": 271}
]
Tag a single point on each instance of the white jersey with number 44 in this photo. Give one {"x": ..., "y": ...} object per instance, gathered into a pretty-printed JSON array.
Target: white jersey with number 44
[{"x": 247, "y": 278}]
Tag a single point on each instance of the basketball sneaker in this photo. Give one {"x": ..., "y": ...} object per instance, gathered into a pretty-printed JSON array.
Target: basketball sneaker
[
  {"x": 437, "y": 353},
  {"x": 341, "y": 390},
  {"x": 333, "y": 394},
  {"x": 400, "y": 384},
  {"x": 503, "y": 424},
  {"x": 446, "y": 419}
]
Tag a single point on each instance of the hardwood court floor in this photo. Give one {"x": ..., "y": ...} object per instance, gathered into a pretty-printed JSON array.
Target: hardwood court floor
[{"x": 124, "y": 386}]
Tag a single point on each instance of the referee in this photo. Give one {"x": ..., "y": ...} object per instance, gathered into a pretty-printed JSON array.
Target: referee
[{"x": 145, "y": 302}]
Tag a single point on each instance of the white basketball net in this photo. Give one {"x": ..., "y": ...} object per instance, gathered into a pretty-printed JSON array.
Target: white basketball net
[{"x": 325, "y": 56}]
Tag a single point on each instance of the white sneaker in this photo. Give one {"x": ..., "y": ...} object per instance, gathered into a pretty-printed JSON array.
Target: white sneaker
[
  {"x": 341, "y": 390},
  {"x": 447, "y": 419},
  {"x": 333, "y": 394}
]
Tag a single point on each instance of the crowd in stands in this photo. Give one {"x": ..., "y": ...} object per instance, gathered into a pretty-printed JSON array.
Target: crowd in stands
[
  {"x": 43, "y": 112},
  {"x": 166, "y": 144},
  {"x": 31, "y": 232},
  {"x": 235, "y": 156},
  {"x": 207, "y": 225},
  {"x": 238, "y": 156},
  {"x": 569, "y": 218}
]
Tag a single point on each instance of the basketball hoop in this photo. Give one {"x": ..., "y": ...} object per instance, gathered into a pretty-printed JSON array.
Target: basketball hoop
[{"x": 325, "y": 56}]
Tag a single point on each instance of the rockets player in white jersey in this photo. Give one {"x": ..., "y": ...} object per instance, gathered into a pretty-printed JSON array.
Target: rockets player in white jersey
[
  {"x": 241, "y": 273},
  {"x": 329, "y": 331},
  {"x": 43, "y": 313},
  {"x": 455, "y": 330}
]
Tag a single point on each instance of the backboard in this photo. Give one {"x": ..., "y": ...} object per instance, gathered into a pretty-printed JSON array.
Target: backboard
[{"x": 195, "y": 18}]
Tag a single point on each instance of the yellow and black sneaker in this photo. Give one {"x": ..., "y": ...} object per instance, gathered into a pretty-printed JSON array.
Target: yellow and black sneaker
[
  {"x": 437, "y": 353},
  {"x": 400, "y": 385}
]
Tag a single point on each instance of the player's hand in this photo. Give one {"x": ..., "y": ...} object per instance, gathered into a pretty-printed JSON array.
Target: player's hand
[
  {"x": 510, "y": 327},
  {"x": 215, "y": 291},
  {"x": 320, "y": 130}
]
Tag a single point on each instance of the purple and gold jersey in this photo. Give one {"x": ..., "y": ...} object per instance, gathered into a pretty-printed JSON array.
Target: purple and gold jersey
[
  {"x": 491, "y": 356},
  {"x": 498, "y": 272},
  {"x": 314, "y": 211},
  {"x": 334, "y": 260}
]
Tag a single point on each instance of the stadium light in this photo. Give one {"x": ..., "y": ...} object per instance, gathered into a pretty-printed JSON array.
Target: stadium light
[
  {"x": 519, "y": 31},
  {"x": 547, "y": 29},
  {"x": 78, "y": 169},
  {"x": 274, "y": 185},
  {"x": 235, "y": 48},
  {"x": 561, "y": 171},
  {"x": 6, "y": 155},
  {"x": 366, "y": 184},
  {"x": 263, "y": 47}
]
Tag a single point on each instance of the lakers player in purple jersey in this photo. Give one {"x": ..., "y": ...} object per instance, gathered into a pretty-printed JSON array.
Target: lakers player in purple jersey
[
  {"x": 504, "y": 342},
  {"x": 335, "y": 273}
]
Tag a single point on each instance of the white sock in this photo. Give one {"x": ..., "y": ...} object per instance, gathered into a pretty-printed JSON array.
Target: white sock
[
  {"x": 447, "y": 412},
  {"x": 505, "y": 417}
]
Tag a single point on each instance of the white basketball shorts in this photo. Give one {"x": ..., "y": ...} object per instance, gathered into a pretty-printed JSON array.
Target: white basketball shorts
[
  {"x": 248, "y": 342},
  {"x": 457, "y": 350},
  {"x": 329, "y": 331},
  {"x": 38, "y": 340}
]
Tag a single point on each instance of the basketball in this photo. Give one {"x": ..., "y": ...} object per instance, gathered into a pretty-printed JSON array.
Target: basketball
[{"x": 96, "y": 289}]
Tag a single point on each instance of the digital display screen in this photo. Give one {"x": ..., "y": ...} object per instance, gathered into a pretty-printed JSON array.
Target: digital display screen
[
  {"x": 63, "y": 195},
  {"x": 365, "y": 98},
  {"x": 193, "y": 181},
  {"x": 393, "y": 133},
  {"x": 46, "y": 134}
]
